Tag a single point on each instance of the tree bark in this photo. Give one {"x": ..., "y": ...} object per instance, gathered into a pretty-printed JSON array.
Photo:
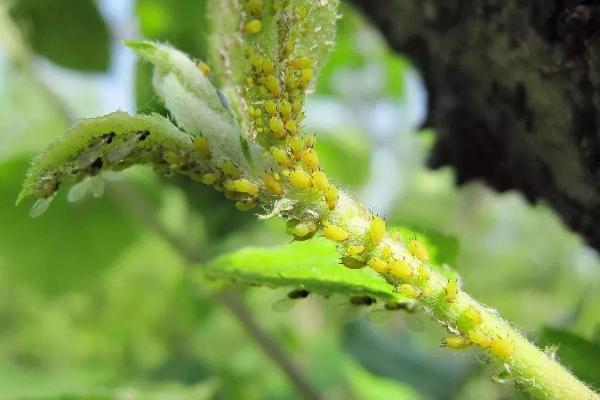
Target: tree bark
[{"x": 514, "y": 93}]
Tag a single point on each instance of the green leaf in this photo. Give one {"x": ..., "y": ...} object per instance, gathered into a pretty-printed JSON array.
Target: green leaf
[
  {"x": 195, "y": 103},
  {"x": 313, "y": 265},
  {"x": 578, "y": 354},
  {"x": 112, "y": 142},
  {"x": 70, "y": 33}
]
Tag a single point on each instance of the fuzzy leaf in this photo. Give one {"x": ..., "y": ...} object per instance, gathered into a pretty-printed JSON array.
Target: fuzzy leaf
[
  {"x": 195, "y": 103},
  {"x": 313, "y": 265},
  {"x": 112, "y": 142}
]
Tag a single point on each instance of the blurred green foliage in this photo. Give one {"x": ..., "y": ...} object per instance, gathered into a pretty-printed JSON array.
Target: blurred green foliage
[
  {"x": 94, "y": 304},
  {"x": 70, "y": 33}
]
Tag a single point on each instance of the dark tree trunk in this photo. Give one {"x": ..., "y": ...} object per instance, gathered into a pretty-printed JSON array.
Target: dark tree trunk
[{"x": 514, "y": 93}]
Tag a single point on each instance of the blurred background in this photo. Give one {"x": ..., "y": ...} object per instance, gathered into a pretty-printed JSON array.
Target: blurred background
[{"x": 95, "y": 303}]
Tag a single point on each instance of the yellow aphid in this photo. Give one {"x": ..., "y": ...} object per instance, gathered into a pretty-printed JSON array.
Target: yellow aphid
[
  {"x": 310, "y": 159},
  {"x": 204, "y": 67},
  {"x": 267, "y": 66},
  {"x": 400, "y": 269},
  {"x": 291, "y": 127},
  {"x": 409, "y": 290},
  {"x": 245, "y": 186},
  {"x": 245, "y": 205},
  {"x": 281, "y": 157},
  {"x": 300, "y": 179},
  {"x": 297, "y": 106},
  {"x": 306, "y": 76},
  {"x": 331, "y": 197},
  {"x": 300, "y": 63},
  {"x": 201, "y": 146},
  {"x": 418, "y": 250},
  {"x": 479, "y": 338},
  {"x": 250, "y": 82},
  {"x": 310, "y": 140},
  {"x": 423, "y": 271},
  {"x": 273, "y": 85},
  {"x": 335, "y": 233},
  {"x": 304, "y": 229},
  {"x": 473, "y": 315},
  {"x": 501, "y": 347},
  {"x": 297, "y": 145},
  {"x": 352, "y": 263},
  {"x": 273, "y": 184},
  {"x": 255, "y": 7},
  {"x": 456, "y": 342},
  {"x": 256, "y": 61},
  {"x": 253, "y": 26},
  {"x": 211, "y": 178},
  {"x": 320, "y": 180},
  {"x": 452, "y": 290},
  {"x": 271, "y": 108},
  {"x": 379, "y": 265},
  {"x": 355, "y": 250},
  {"x": 285, "y": 108},
  {"x": 230, "y": 169},
  {"x": 376, "y": 230},
  {"x": 276, "y": 125},
  {"x": 387, "y": 251}
]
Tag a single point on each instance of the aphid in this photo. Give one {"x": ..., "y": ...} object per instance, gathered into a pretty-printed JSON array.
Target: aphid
[
  {"x": 473, "y": 315},
  {"x": 245, "y": 186},
  {"x": 300, "y": 63},
  {"x": 253, "y": 26},
  {"x": 362, "y": 300},
  {"x": 306, "y": 76},
  {"x": 451, "y": 290},
  {"x": 271, "y": 108},
  {"x": 204, "y": 67},
  {"x": 397, "y": 305},
  {"x": 276, "y": 125},
  {"x": 40, "y": 206},
  {"x": 300, "y": 179},
  {"x": 121, "y": 151},
  {"x": 285, "y": 108},
  {"x": 230, "y": 169},
  {"x": 201, "y": 146},
  {"x": 267, "y": 66},
  {"x": 377, "y": 264},
  {"x": 281, "y": 157},
  {"x": 423, "y": 271},
  {"x": 304, "y": 230},
  {"x": 409, "y": 290},
  {"x": 310, "y": 159},
  {"x": 400, "y": 269},
  {"x": 387, "y": 252},
  {"x": 479, "y": 338},
  {"x": 291, "y": 126},
  {"x": 456, "y": 342},
  {"x": 418, "y": 250},
  {"x": 108, "y": 137},
  {"x": 320, "y": 180},
  {"x": 211, "y": 178},
  {"x": 245, "y": 204},
  {"x": 331, "y": 197},
  {"x": 96, "y": 166},
  {"x": 335, "y": 233},
  {"x": 352, "y": 263},
  {"x": 501, "y": 347},
  {"x": 273, "y": 85},
  {"x": 298, "y": 294},
  {"x": 273, "y": 184},
  {"x": 376, "y": 230},
  {"x": 355, "y": 250},
  {"x": 255, "y": 7}
]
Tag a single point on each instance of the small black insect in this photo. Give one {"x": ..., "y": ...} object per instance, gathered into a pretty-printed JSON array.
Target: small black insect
[
  {"x": 143, "y": 135},
  {"x": 363, "y": 300},
  {"x": 298, "y": 294},
  {"x": 96, "y": 166},
  {"x": 108, "y": 137}
]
